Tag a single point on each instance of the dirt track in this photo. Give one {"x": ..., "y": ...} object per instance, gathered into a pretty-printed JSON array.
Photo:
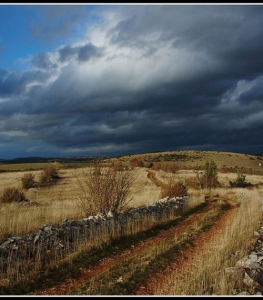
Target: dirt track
[
  {"x": 152, "y": 176},
  {"x": 183, "y": 262}
]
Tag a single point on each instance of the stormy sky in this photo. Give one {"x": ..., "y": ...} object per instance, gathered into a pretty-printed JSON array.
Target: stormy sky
[{"x": 117, "y": 79}]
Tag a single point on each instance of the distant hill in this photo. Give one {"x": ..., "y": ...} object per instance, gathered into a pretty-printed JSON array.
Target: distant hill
[
  {"x": 188, "y": 158},
  {"x": 191, "y": 158},
  {"x": 35, "y": 159}
]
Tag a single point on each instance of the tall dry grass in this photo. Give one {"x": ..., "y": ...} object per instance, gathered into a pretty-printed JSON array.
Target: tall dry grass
[
  {"x": 207, "y": 275},
  {"x": 58, "y": 201}
]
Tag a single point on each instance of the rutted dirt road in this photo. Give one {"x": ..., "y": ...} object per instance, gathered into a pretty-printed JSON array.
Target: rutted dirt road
[
  {"x": 183, "y": 262},
  {"x": 152, "y": 176}
]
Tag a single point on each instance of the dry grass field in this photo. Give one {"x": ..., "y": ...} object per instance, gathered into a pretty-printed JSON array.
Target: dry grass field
[
  {"x": 60, "y": 200},
  {"x": 191, "y": 158}
]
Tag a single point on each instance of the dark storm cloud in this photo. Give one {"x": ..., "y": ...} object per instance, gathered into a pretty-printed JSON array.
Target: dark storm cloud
[
  {"x": 15, "y": 83},
  {"x": 165, "y": 78},
  {"x": 42, "y": 61},
  {"x": 88, "y": 51},
  {"x": 66, "y": 52},
  {"x": 255, "y": 93},
  {"x": 84, "y": 53},
  {"x": 231, "y": 34},
  {"x": 56, "y": 21}
]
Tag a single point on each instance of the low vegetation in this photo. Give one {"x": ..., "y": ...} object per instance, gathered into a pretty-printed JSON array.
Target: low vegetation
[
  {"x": 10, "y": 195},
  {"x": 174, "y": 189},
  {"x": 49, "y": 174},
  {"x": 240, "y": 181},
  {"x": 171, "y": 167},
  {"x": 28, "y": 181}
]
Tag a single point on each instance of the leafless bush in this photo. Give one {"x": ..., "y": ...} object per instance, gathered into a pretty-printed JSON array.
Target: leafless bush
[
  {"x": 49, "y": 173},
  {"x": 12, "y": 195},
  {"x": 156, "y": 166},
  {"x": 136, "y": 162},
  {"x": 174, "y": 189},
  {"x": 106, "y": 189},
  {"x": 118, "y": 166},
  {"x": 28, "y": 181},
  {"x": 171, "y": 167},
  {"x": 192, "y": 182}
]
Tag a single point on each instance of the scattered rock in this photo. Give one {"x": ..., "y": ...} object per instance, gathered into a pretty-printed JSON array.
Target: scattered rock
[{"x": 119, "y": 280}]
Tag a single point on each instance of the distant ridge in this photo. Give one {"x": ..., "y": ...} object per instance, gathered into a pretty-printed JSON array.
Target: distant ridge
[{"x": 36, "y": 159}]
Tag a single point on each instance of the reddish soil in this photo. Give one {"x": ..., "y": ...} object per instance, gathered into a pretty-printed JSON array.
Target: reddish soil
[
  {"x": 187, "y": 261},
  {"x": 152, "y": 176},
  {"x": 203, "y": 243}
]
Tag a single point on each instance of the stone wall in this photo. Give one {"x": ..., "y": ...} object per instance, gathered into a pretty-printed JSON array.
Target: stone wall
[
  {"x": 65, "y": 237},
  {"x": 249, "y": 269}
]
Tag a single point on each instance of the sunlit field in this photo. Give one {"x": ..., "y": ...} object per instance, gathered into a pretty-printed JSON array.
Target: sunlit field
[{"x": 52, "y": 203}]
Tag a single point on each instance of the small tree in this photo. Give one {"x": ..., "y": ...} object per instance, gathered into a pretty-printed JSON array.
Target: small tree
[
  {"x": 107, "y": 189},
  {"x": 208, "y": 178}
]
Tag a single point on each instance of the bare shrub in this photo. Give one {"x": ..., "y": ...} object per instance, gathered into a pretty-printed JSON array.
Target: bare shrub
[
  {"x": 136, "y": 162},
  {"x": 156, "y": 166},
  {"x": 192, "y": 182},
  {"x": 174, "y": 189},
  {"x": 49, "y": 173},
  {"x": 13, "y": 195},
  {"x": 118, "y": 166},
  {"x": 28, "y": 181},
  {"x": 171, "y": 167},
  {"x": 106, "y": 189}
]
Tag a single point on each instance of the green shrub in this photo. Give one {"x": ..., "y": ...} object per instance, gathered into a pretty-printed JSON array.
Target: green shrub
[
  {"x": 13, "y": 195},
  {"x": 240, "y": 181},
  {"x": 208, "y": 178},
  {"x": 28, "y": 181}
]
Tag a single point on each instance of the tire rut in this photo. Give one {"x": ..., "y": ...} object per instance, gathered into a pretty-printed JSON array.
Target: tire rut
[{"x": 188, "y": 260}]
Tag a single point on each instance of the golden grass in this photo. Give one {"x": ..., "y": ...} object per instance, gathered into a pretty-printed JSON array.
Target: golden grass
[
  {"x": 207, "y": 277},
  {"x": 199, "y": 158},
  {"x": 223, "y": 178},
  {"x": 59, "y": 201}
]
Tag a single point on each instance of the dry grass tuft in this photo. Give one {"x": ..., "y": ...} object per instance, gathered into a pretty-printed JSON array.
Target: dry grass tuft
[{"x": 10, "y": 195}]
